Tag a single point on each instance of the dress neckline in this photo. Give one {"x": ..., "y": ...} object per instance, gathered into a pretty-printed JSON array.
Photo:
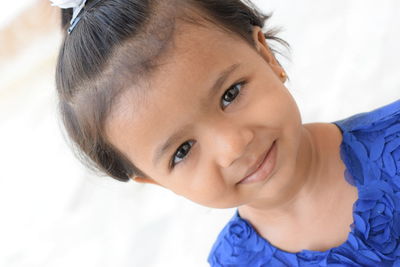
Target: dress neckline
[{"x": 350, "y": 234}]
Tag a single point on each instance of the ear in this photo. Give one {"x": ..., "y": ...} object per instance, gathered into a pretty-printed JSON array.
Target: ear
[
  {"x": 144, "y": 180},
  {"x": 264, "y": 50}
]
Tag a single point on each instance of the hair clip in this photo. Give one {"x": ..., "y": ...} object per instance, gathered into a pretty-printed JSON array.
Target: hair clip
[{"x": 76, "y": 5}]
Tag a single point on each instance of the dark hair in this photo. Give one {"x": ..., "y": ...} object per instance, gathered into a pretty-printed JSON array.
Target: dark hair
[{"x": 117, "y": 42}]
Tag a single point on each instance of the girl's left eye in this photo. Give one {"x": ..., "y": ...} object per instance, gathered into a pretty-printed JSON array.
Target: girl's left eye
[{"x": 229, "y": 96}]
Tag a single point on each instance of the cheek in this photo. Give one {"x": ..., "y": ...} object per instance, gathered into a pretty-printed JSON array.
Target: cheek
[
  {"x": 284, "y": 113},
  {"x": 274, "y": 106}
]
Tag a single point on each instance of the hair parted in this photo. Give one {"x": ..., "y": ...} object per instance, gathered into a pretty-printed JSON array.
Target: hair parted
[{"x": 115, "y": 44}]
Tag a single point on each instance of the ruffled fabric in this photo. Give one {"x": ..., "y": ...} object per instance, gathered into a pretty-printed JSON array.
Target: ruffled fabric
[{"x": 370, "y": 150}]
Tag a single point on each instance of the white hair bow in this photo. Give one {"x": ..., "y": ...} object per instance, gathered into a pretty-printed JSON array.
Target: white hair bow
[{"x": 77, "y": 6}]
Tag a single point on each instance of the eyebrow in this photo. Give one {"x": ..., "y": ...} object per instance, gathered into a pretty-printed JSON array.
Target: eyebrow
[{"x": 164, "y": 147}]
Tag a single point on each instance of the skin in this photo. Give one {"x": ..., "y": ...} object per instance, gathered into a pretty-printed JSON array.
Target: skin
[{"x": 307, "y": 184}]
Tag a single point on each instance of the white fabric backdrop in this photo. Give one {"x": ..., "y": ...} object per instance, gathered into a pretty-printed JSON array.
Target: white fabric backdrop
[{"x": 344, "y": 61}]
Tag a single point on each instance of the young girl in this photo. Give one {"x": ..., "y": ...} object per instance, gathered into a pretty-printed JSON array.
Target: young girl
[{"x": 188, "y": 95}]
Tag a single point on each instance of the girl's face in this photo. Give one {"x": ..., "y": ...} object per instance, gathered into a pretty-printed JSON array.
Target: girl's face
[{"x": 213, "y": 108}]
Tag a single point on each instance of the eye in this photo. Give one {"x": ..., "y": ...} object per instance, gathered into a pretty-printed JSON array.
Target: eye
[
  {"x": 231, "y": 94},
  {"x": 181, "y": 153}
]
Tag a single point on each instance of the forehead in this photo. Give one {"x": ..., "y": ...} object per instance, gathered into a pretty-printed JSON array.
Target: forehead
[{"x": 147, "y": 113}]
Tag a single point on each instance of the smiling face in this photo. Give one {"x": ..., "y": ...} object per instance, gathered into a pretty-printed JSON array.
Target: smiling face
[{"x": 227, "y": 102}]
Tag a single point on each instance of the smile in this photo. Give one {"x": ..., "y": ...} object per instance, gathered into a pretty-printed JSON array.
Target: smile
[{"x": 264, "y": 170}]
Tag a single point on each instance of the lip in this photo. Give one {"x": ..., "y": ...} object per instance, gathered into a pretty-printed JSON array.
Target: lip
[{"x": 264, "y": 169}]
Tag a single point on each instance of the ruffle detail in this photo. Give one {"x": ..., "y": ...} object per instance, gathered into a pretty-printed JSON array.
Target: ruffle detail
[{"x": 370, "y": 150}]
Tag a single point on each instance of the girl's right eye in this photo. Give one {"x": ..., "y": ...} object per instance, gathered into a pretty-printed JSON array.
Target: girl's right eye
[{"x": 181, "y": 153}]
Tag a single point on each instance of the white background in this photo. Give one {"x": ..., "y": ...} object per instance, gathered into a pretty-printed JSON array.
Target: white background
[{"x": 53, "y": 212}]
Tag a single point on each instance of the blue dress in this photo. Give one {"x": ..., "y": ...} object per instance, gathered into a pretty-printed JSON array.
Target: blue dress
[{"x": 370, "y": 149}]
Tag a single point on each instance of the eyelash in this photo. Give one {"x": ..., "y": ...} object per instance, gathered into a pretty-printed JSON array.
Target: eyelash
[{"x": 235, "y": 100}]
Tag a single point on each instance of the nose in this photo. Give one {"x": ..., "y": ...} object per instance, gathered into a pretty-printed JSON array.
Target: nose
[{"x": 229, "y": 142}]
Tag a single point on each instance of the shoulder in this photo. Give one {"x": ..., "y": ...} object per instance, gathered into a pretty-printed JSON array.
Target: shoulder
[
  {"x": 371, "y": 150},
  {"x": 371, "y": 143},
  {"x": 371, "y": 118}
]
